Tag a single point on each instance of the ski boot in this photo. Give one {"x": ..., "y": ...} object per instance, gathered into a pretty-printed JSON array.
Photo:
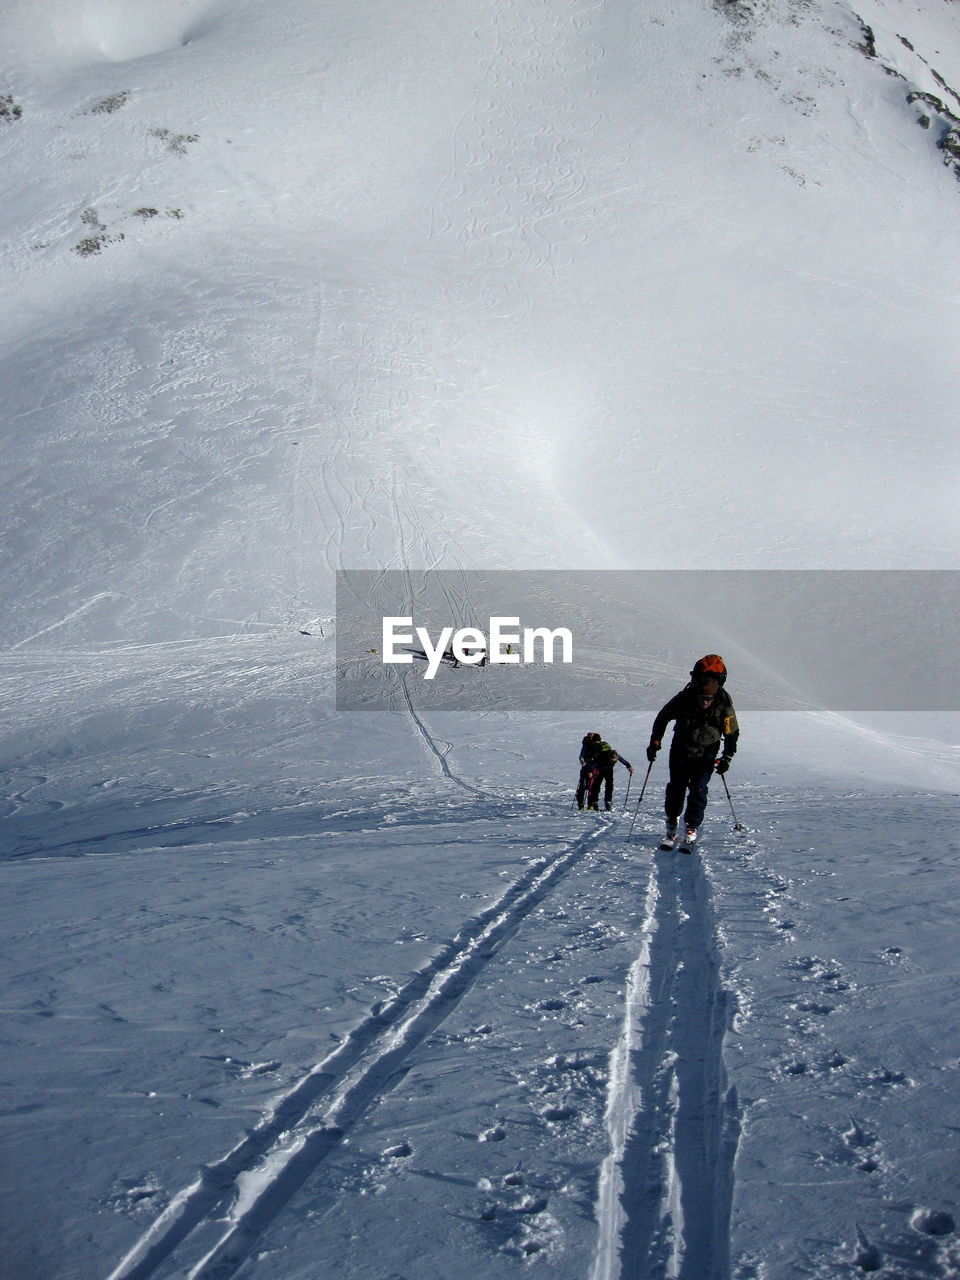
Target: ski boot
[
  {"x": 689, "y": 840},
  {"x": 669, "y": 840}
]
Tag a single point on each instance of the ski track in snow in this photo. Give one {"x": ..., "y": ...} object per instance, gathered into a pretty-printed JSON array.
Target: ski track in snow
[
  {"x": 666, "y": 1188},
  {"x": 432, "y": 745},
  {"x": 259, "y": 1176}
]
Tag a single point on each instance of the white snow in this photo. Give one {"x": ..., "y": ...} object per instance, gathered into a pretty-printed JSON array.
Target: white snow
[{"x": 535, "y": 284}]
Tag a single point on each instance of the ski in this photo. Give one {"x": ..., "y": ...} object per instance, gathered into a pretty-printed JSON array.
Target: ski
[{"x": 668, "y": 843}]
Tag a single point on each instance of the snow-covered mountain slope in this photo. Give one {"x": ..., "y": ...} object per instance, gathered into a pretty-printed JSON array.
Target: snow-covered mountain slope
[
  {"x": 575, "y": 284},
  {"x": 297, "y": 1001},
  {"x": 565, "y": 284}
]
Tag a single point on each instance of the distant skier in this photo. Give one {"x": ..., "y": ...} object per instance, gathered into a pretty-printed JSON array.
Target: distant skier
[
  {"x": 450, "y": 656},
  {"x": 705, "y": 718},
  {"x": 604, "y": 761},
  {"x": 589, "y": 750},
  {"x": 472, "y": 653}
]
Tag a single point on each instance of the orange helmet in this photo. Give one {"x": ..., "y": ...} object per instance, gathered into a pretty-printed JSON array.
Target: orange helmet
[{"x": 710, "y": 665}]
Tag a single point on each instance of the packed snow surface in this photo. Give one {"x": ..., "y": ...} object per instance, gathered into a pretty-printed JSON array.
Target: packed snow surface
[{"x": 535, "y": 284}]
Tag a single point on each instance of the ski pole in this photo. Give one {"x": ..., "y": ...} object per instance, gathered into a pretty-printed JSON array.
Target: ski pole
[
  {"x": 640, "y": 801},
  {"x": 737, "y": 826},
  {"x": 626, "y": 796}
]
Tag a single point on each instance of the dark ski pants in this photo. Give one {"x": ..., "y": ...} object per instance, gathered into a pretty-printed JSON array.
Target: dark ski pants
[
  {"x": 602, "y": 778},
  {"x": 689, "y": 779}
]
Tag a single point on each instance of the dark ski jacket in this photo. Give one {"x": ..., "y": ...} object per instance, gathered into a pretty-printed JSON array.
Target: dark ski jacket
[
  {"x": 607, "y": 759},
  {"x": 592, "y": 756},
  {"x": 699, "y": 730}
]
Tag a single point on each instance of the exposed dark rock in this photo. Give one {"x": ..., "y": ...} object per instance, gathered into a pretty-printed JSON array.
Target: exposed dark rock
[
  {"x": 107, "y": 106},
  {"x": 176, "y": 142},
  {"x": 868, "y": 44}
]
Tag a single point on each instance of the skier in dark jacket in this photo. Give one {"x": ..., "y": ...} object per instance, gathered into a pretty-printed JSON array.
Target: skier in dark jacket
[
  {"x": 705, "y": 719},
  {"x": 589, "y": 749},
  {"x": 604, "y": 761}
]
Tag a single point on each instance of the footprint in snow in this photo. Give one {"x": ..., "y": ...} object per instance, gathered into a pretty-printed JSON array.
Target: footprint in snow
[
  {"x": 801, "y": 1067},
  {"x": 862, "y": 1147},
  {"x": 933, "y": 1222},
  {"x": 254, "y": 1069},
  {"x": 857, "y": 1136},
  {"x": 527, "y": 1211},
  {"x": 496, "y": 1133},
  {"x": 402, "y": 1151},
  {"x": 868, "y": 1257},
  {"x": 473, "y": 1037},
  {"x": 539, "y": 1231},
  {"x": 813, "y": 1006},
  {"x": 135, "y": 1198},
  {"x": 834, "y": 1062},
  {"x": 928, "y": 1249},
  {"x": 559, "y": 1115},
  {"x": 834, "y": 980},
  {"x": 887, "y": 1079},
  {"x": 826, "y": 972},
  {"x": 798, "y": 1067}
]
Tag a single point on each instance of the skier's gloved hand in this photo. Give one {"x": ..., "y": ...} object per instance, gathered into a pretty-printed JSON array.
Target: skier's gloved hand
[
  {"x": 652, "y": 750},
  {"x": 723, "y": 764}
]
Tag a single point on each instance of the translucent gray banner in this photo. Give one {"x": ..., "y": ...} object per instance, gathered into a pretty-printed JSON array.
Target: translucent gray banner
[{"x": 840, "y": 640}]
